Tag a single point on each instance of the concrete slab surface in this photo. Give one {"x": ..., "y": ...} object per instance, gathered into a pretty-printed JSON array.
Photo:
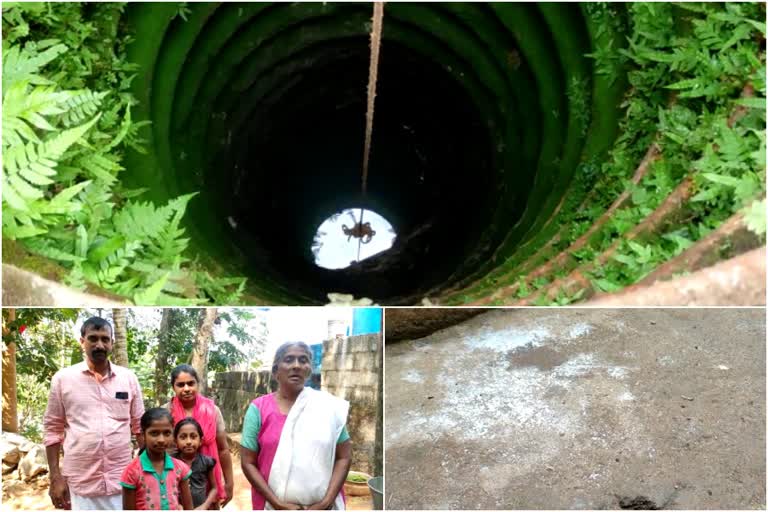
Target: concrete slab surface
[{"x": 579, "y": 409}]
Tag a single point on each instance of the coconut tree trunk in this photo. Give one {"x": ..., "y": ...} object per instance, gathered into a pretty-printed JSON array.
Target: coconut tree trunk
[
  {"x": 200, "y": 350},
  {"x": 120, "y": 350},
  {"x": 161, "y": 360},
  {"x": 10, "y": 404}
]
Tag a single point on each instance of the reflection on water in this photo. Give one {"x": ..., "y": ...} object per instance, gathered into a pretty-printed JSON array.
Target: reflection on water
[{"x": 337, "y": 242}]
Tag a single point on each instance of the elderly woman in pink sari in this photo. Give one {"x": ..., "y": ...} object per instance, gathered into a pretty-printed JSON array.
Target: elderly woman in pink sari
[
  {"x": 296, "y": 449},
  {"x": 189, "y": 403}
]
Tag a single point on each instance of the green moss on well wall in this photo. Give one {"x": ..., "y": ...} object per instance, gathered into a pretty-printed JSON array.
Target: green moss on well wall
[{"x": 204, "y": 82}]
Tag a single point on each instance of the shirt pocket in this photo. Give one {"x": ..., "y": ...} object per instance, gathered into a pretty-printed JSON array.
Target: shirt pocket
[{"x": 120, "y": 408}]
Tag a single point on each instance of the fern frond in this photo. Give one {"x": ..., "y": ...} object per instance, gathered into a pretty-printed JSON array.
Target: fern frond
[
  {"x": 22, "y": 102},
  {"x": 100, "y": 166},
  {"x": 141, "y": 220},
  {"x": 125, "y": 128},
  {"x": 33, "y": 164},
  {"x": 76, "y": 278},
  {"x": 54, "y": 249},
  {"x": 21, "y": 64},
  {"x": 81, "y": 105},
  {"x": 16, "y": 131},
  {"x": 62, "y": 202},
  {"x": 221, "y": 290},
  {"x": 104, "y": 271},
  {"x": 14, "y": 229},
  {"x": 127, "y": 287},
  {"x": 23, "y": 107},
  {"x": 151, "y": 294},
  {"x": 169, "y": 244},
  {"x": 97, "y": 207}
]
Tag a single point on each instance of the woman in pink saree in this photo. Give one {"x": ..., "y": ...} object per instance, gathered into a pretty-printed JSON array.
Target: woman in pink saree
[
  {"x": 296, "y": 450},
  {"x": 189, "y": 403}
]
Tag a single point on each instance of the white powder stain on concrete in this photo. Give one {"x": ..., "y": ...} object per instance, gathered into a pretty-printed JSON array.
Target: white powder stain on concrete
[
  {"x": 507, "y": 339},
  {"x": 489, "y": 401},
  {"x": 580, "y": 365},
  {"x": 413, "y": 423},
  {"x": 579, "y": 330},
  {"x": 626, "y": 396},
  {"x": 617, "y": 372},
  {"x": 413, "y": 376},
  {"x": 584, "y": 364},
  {"x": 525, "y": 410}
]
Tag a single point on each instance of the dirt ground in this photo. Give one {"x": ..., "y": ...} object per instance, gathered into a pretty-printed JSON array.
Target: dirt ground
[
  {"x": 580, "y": 409},
  {"x": 35, "y": 496}
]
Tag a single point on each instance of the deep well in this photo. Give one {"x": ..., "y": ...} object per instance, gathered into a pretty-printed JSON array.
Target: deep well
[
  {"x": 260, "y": 107},
  {"x": 488, "y": 117}
]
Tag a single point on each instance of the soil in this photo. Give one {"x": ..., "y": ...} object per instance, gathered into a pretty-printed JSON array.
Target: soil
[
  {"x": 34, "y": 496},
  {"x": 580, "y": 409}
]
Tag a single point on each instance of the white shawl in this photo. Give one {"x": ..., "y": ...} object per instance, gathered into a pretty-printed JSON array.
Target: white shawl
[{"x": 303, "y": 463}]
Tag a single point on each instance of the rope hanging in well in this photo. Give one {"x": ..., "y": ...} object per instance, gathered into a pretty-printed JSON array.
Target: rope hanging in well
[{"x": 378, "y": 19}]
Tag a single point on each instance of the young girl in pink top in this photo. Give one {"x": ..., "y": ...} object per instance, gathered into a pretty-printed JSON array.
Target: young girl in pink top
[{"x": 154, "y": 480}]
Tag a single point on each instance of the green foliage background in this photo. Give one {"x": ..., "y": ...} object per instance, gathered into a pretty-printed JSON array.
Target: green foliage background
[
  {"x": 690, "y": 67},
  {"x": 66, "y": 127},
  {"x": 48, "y": 345}
]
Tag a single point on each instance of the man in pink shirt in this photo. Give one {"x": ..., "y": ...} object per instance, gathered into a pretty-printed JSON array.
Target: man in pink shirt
[{"x": 92, "y": 409}]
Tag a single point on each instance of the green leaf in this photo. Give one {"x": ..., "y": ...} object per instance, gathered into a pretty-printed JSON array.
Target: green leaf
[
  {"x": 688, "y": 83},
  {"x": 13, "y": 198},
  {"x": 754, "y": 217},
  {"x": 47, "y": 248},
  {"x": 149, "y": 296},
  {"x": 81, "y": 243},
  {"x": 605, "y": 285},
  {"x": 68, "y": 193},
  {"x": 20, "y": 64},
  {"x": 101, "y": 252},
  {"x": 36, "y": 178},
  {"x": 759, "y": 25},
  {"x": 24, "y": 231},
  {"x": 728, "y": 181},
  {"x": 758, "y": 103},
  {"x": 128, "y": 194},
  {"x": 639, "y": 195},
  {"x": 623, "y": 258},
  {"x": 23, "y": 188}
]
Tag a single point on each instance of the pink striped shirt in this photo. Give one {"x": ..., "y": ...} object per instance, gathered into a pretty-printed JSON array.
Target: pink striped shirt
[{"x": 94, "y": 419}]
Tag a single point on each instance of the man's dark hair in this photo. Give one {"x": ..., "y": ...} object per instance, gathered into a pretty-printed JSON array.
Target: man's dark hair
[{"x": 97, "y": 323}]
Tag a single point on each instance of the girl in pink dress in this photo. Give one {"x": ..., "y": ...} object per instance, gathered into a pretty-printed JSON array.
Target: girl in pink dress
[
  {"x": 302, "y": 466},
  {"x": 154, "y": 480}
]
